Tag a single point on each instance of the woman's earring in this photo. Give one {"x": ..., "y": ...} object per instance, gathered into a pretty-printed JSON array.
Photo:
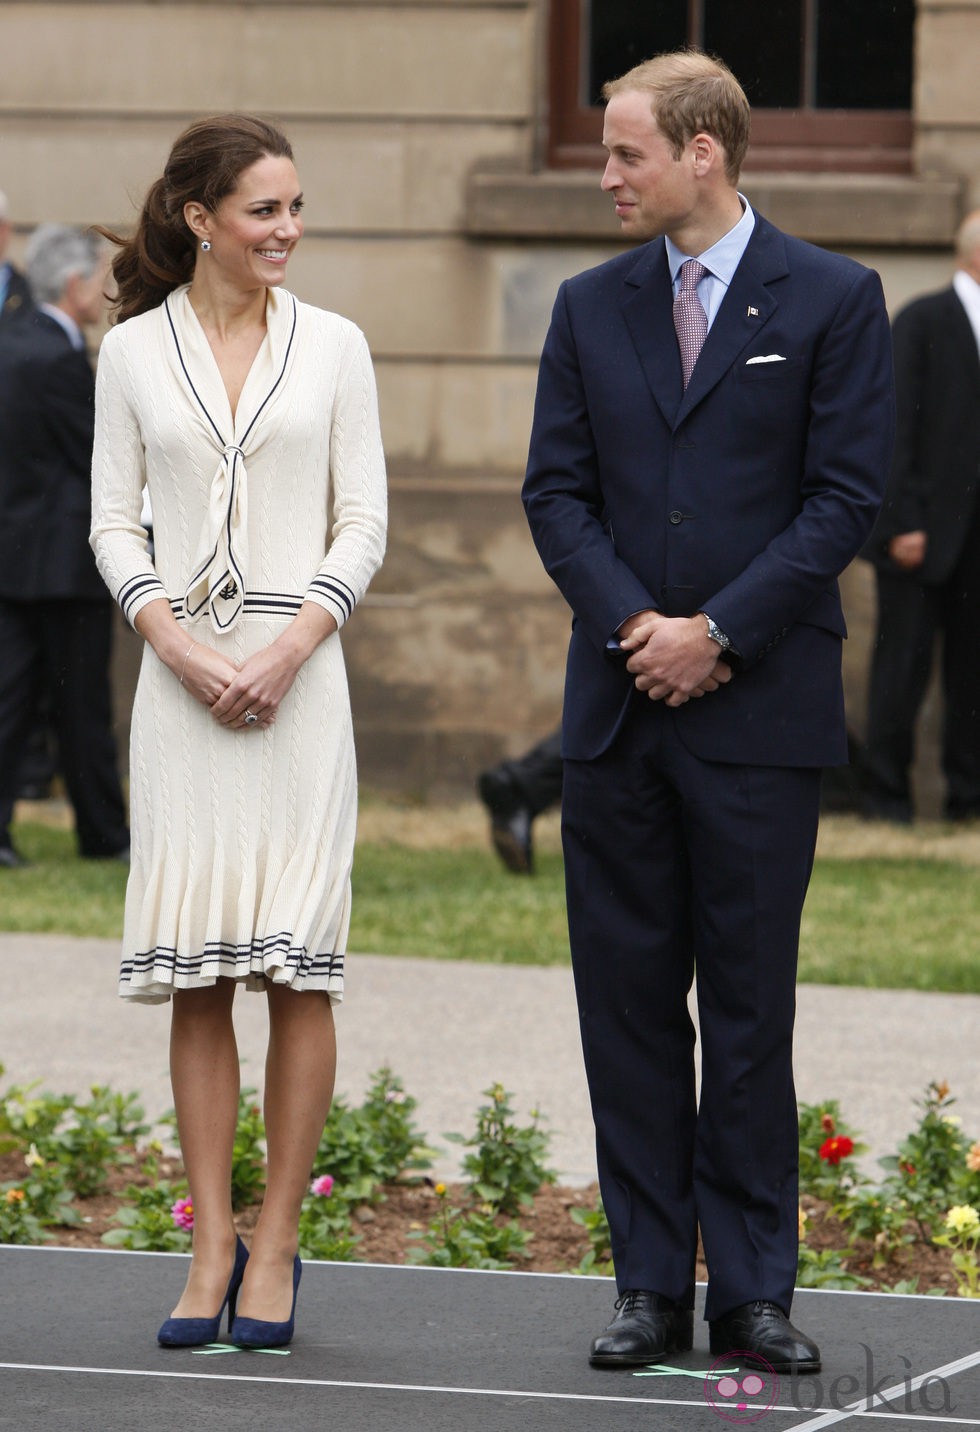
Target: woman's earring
[{"x": 205, "y": 246}]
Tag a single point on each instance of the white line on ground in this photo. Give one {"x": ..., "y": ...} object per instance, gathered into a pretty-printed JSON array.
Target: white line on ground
[{"x": 862, "y": 1409}]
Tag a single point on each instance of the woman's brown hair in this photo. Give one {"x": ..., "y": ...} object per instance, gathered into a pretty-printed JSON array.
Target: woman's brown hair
[{"x": 204, "y": 166}]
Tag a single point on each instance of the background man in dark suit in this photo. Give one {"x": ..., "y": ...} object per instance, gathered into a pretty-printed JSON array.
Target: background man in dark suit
[
  {"x": 695, "y": 505},
  {"x": 926, "y": 547},
  {"x": 55, "y": 613}
]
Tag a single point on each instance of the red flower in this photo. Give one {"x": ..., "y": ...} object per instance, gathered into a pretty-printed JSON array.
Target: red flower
[
  {"x": 827, "y": 1123},
  {"x": 837, "y": 1148}
]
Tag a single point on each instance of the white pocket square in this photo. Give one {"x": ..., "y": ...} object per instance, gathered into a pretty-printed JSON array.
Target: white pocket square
[{"x": 766, "y": 358}]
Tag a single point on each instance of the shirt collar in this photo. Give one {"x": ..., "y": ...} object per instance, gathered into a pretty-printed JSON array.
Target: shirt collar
[
  {"x": 75, "y": 335},
  {"x": 723, "y": 258}
]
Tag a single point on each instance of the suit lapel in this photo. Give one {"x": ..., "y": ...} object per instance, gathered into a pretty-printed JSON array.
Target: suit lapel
[
  {"x": 744, "y": 312},
  {"x": 965, "y": 356},
  {"x": 648, "y": 311}
]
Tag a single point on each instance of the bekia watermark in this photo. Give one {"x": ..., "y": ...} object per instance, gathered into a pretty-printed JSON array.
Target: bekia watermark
[{"x": 742, "y": 1387}]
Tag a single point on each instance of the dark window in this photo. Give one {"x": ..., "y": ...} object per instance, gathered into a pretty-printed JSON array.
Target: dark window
[{"x": 830, "y": 81}]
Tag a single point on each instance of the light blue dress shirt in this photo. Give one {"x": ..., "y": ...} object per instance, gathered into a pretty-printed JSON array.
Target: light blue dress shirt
[{"x": 721, "y": 261}]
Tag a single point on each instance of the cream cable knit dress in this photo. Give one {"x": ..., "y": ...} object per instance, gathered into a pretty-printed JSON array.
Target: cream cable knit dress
[{"x": 242, "y": 840}]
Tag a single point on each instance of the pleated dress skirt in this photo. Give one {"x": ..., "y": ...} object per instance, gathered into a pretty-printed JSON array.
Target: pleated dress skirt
[{"x": 242, "y": 839}]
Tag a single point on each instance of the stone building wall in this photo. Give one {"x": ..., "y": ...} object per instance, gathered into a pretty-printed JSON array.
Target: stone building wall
[{"x": 416, "y": 125}]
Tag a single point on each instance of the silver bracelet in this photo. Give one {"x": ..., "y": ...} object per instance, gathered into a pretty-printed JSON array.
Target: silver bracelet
[{"x": 183, "y": 666}]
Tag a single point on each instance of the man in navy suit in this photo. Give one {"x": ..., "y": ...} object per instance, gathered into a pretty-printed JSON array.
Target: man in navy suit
[
  {"x": 695, "y": 510},
  {"x": 55, "y": 613}
]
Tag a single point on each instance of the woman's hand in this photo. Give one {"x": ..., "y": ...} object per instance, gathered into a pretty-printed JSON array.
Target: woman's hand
[{"x": 260, "y": 684}]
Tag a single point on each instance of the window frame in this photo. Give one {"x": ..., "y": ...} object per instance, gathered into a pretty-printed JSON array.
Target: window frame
[{"x": 842, "y": 140}]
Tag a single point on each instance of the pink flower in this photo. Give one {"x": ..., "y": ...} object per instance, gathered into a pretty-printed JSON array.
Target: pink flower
[
  {"x": 182, "y": 1213},
  {"x": 323, "y": 1186}
]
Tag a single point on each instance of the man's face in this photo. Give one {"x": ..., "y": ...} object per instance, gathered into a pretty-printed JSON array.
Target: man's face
[
  {"x": 5, "y": 232},
  {"x": 655, "y": 192},
  {"x": 86, "y": 296}
]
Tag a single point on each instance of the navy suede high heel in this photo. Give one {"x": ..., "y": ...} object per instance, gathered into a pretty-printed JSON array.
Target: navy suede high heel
[
  {"x": 195, "y": 1332},
  {"x": 255, "y": 1332}
]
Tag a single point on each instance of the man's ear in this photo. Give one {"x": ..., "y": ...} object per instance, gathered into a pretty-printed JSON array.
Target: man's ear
[{"x": 704, "y": 151}]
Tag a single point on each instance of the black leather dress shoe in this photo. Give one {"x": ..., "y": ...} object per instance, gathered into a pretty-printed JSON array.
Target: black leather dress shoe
[
  {"x": 764, "y": 1329},
  {"x": 646, "y": 1327},
  {"x": 10, "y": 859},
  {"x": 510, "y": 821}
]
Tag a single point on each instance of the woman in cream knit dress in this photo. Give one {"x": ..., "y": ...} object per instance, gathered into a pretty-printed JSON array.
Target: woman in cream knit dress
[{"x": 251, "y": 419}]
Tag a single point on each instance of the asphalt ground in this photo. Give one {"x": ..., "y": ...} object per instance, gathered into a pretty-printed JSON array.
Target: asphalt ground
[{"x": 440, "y": 1350}]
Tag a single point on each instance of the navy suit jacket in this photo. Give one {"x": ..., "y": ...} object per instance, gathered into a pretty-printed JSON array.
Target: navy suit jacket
[
  {"x": 746, "y": 495},
  {"x": 47, "y": 427}
]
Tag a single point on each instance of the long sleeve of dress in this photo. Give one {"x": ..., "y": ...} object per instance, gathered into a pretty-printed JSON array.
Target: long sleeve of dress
[
  {"x": 358, "y": 488},
  {"x": 118, "y": 536}
]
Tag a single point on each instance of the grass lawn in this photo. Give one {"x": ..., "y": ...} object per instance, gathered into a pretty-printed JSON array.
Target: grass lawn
[{"x": 879, "y": 913}]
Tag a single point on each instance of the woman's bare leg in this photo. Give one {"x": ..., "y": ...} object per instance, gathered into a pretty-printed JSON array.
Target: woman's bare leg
[
  {"x": 204, "y": 1072},
  {"x": 299, "y": 1077}
]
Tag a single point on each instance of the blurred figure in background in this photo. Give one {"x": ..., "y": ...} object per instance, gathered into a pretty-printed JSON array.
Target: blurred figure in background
[
  {"x": 15, "y": 293},
  {"x": 55, "y": 614},
  {"x": 926, "y": 548},
  {"x": 515, "y": 793}
]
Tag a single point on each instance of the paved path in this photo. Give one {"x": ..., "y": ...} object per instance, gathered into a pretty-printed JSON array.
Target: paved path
[{"x": 449, "y": 1029}]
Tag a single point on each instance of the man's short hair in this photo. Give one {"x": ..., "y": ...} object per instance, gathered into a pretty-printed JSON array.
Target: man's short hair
[
  {"x": 692, "y": 93},
  {"x": 54, "y": 253}
]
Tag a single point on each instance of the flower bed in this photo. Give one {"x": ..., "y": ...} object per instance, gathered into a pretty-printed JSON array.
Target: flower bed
[{"x": 87, "y": 1175}]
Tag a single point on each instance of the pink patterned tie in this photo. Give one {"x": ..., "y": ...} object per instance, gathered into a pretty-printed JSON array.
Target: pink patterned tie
[{"x": 690, "y": 319}]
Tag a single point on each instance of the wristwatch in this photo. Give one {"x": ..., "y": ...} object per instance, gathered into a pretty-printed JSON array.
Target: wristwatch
[{"x": 716, "y": 634}]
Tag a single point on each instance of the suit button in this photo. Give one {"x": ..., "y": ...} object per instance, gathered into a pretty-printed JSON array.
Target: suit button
[{"x": 675, "y": 517}]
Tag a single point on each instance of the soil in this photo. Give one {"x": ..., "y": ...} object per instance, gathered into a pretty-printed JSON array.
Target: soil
[{"x": 557, "y": 1244}]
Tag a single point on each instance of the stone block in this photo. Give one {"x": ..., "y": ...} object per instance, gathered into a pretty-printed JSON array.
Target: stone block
[
  {"x": 288, "y": 60},
  {"x": 412, "y": 296},
  {"x": 460, "y": 417},
  {"x": 947, "y": 42}
]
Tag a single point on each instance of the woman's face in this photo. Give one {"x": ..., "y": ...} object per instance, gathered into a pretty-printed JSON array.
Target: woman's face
[{"x": 254, "y": 230}]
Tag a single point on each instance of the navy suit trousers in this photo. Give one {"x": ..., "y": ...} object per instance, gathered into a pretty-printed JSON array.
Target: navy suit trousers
[{"x": 680, "y": 869}]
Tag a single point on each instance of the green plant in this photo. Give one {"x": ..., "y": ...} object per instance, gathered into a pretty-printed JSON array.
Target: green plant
[
  {"x": 826, "y": 1269},
  {"x": 18, "y": 1221},
  {"x": 324, "y": 1227},
  {"x": 468, "y": 1238},
  {"x": 827, "y": 1152},
  {"x": 507, "y": 1164},
  {"x": 85, "y": 1139},
  {"x": 365, "y": 1147},
  {"x": 97, "y": 1137},
  {"x": 931, "y": 1169},
  {"x": 598, "y": 1259},
  {"x": 962, "y": 1236},
  {"x": 879, "y": 1217},
  {"x": 146, "y": 1223},
  {"x": 25, "y": 1120}
]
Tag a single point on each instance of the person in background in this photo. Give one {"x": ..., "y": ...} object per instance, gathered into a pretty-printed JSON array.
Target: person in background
[
  {"x": 515, "y": 793},
  {"x": 15, "y": 291},
  {"x": 926, "y": 548},
  {"x": 251, "y": 419},
  {"x": 55, "y": 614},
  {"x": 711, "y": 436}
]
